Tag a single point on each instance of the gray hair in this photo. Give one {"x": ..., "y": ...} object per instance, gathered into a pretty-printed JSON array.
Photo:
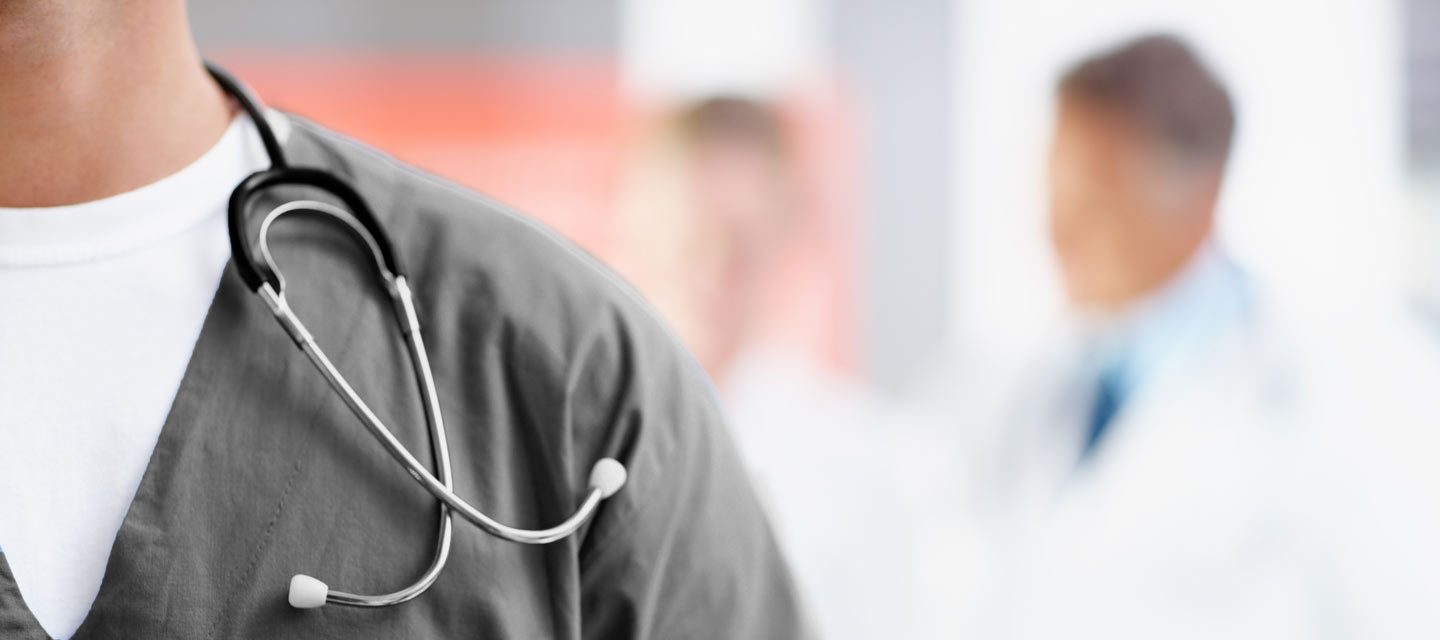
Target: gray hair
[{"x": 1160, "y": 84}]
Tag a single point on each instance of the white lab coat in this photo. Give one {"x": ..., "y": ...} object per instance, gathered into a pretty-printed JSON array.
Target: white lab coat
[
  {"x": 1275, "y": 484},
  {"x": 841, "y": 474}
]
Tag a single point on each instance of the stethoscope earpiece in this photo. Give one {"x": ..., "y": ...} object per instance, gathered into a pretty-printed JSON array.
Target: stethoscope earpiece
[
  {"x": 307, "y": 592},
  {"x": 608, "y": 476}
]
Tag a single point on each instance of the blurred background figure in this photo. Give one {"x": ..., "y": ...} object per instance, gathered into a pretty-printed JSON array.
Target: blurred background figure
[
  {"x": 1168, "y": 467},
  {"x": 713, "y": 215},
  {"x": 711, "y": 208}
]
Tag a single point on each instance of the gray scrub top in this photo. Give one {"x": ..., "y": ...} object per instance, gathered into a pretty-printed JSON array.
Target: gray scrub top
[{"x": 545, "y": 362}]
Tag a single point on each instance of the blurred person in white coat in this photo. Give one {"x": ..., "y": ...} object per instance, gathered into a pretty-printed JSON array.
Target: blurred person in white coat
[
  {"x": 1195, "y": 461},
  {"x": 711, "y": 215}
]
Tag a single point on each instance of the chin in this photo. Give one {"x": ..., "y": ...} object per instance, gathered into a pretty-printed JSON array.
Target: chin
[
  {"x": 1094, "y": 301},
  {"x": 1080, "y": 294}
]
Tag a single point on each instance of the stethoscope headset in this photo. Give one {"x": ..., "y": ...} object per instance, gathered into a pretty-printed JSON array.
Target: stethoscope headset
[{"x": 263, "y": 277}]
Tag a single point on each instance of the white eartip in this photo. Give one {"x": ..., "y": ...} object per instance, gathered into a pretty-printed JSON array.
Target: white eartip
[
  {"x": 307, "y": 592},
  {"x": 608, "y": 475}
]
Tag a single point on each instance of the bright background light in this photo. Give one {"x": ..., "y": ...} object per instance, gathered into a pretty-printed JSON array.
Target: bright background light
[{"x": 686, "y": 48}]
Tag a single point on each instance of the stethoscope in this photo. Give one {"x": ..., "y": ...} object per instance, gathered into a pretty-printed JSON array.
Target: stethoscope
[{"x": 265, "y": 279}]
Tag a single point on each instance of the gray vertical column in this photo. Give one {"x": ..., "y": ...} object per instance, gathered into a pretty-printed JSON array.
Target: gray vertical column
[
  {"x": 896, "y": 55},
  {"x": 1421, "y": 20}
]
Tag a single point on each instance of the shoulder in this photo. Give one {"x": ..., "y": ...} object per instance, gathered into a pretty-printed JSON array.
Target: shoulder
[
  {"x": 475, "y": 260},
  {"x": 562, "y": 362},
  {"x": 509, "y": 306}
]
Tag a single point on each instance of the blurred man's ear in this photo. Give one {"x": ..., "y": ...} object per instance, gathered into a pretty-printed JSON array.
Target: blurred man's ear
[{"x": 1183, "y": 187}]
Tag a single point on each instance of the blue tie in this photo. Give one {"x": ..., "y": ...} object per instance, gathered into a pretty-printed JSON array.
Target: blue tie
[{"x": 1109, "y": 396}]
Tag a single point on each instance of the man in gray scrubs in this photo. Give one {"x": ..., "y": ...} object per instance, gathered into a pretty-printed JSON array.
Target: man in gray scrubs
[{"x": 168, "y": 460}]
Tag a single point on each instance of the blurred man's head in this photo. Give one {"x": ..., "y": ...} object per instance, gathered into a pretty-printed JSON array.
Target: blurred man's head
[
  {"x": 743, "y": 197},
  {"x": 1142, "y": 136},
  {"x": 740, "y": 173},
  {"x": 707, "y": 219}
]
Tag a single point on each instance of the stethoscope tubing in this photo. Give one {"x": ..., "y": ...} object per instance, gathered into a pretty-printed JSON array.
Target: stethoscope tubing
[
  {"x": 377, "y": 428},
  {"x": 265, "y": 279},
  {"x": 425, "y": 381}
]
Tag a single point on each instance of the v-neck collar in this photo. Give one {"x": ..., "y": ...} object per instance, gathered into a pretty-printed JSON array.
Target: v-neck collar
[{"x": 242, "y": 421}]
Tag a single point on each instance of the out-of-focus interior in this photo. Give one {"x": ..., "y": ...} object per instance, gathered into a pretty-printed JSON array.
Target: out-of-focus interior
[{"x": 1032, "y": 318}]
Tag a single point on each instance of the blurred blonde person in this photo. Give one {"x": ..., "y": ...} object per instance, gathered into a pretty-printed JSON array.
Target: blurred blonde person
[
  {"x": 712, "y": 210},
  {"x": 709, "y": 208}
]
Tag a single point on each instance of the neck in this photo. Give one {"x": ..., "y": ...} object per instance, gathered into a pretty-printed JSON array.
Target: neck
[{"x": 99, "y": 98}]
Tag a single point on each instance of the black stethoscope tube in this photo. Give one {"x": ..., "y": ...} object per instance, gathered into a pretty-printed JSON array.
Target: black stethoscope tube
[{"x": 280, "y": 174}]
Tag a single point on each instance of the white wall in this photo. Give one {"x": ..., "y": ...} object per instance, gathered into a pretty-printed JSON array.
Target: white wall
[
  {"x": 1313, "y": 203},
  {"x": 687, "y": 48}
]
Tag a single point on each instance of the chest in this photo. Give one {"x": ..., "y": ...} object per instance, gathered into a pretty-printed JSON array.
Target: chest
[
  {"x": 260, "y": 472},
  {"x": 89, "y": 365},
  {"x": 1183, "y": 514}
]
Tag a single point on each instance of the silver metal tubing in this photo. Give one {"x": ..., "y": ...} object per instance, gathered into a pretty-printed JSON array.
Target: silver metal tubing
[
  {"x": 420, "y": 362},
  {"x": 440, "y": 451},
  {"x": 317, "y": 206},
  {"x": 402, "y": 455},
  {"x": 602, "y": 484}
]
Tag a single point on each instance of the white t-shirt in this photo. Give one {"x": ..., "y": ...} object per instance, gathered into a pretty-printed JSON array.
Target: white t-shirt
[{"x": 101, "y": 304}]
